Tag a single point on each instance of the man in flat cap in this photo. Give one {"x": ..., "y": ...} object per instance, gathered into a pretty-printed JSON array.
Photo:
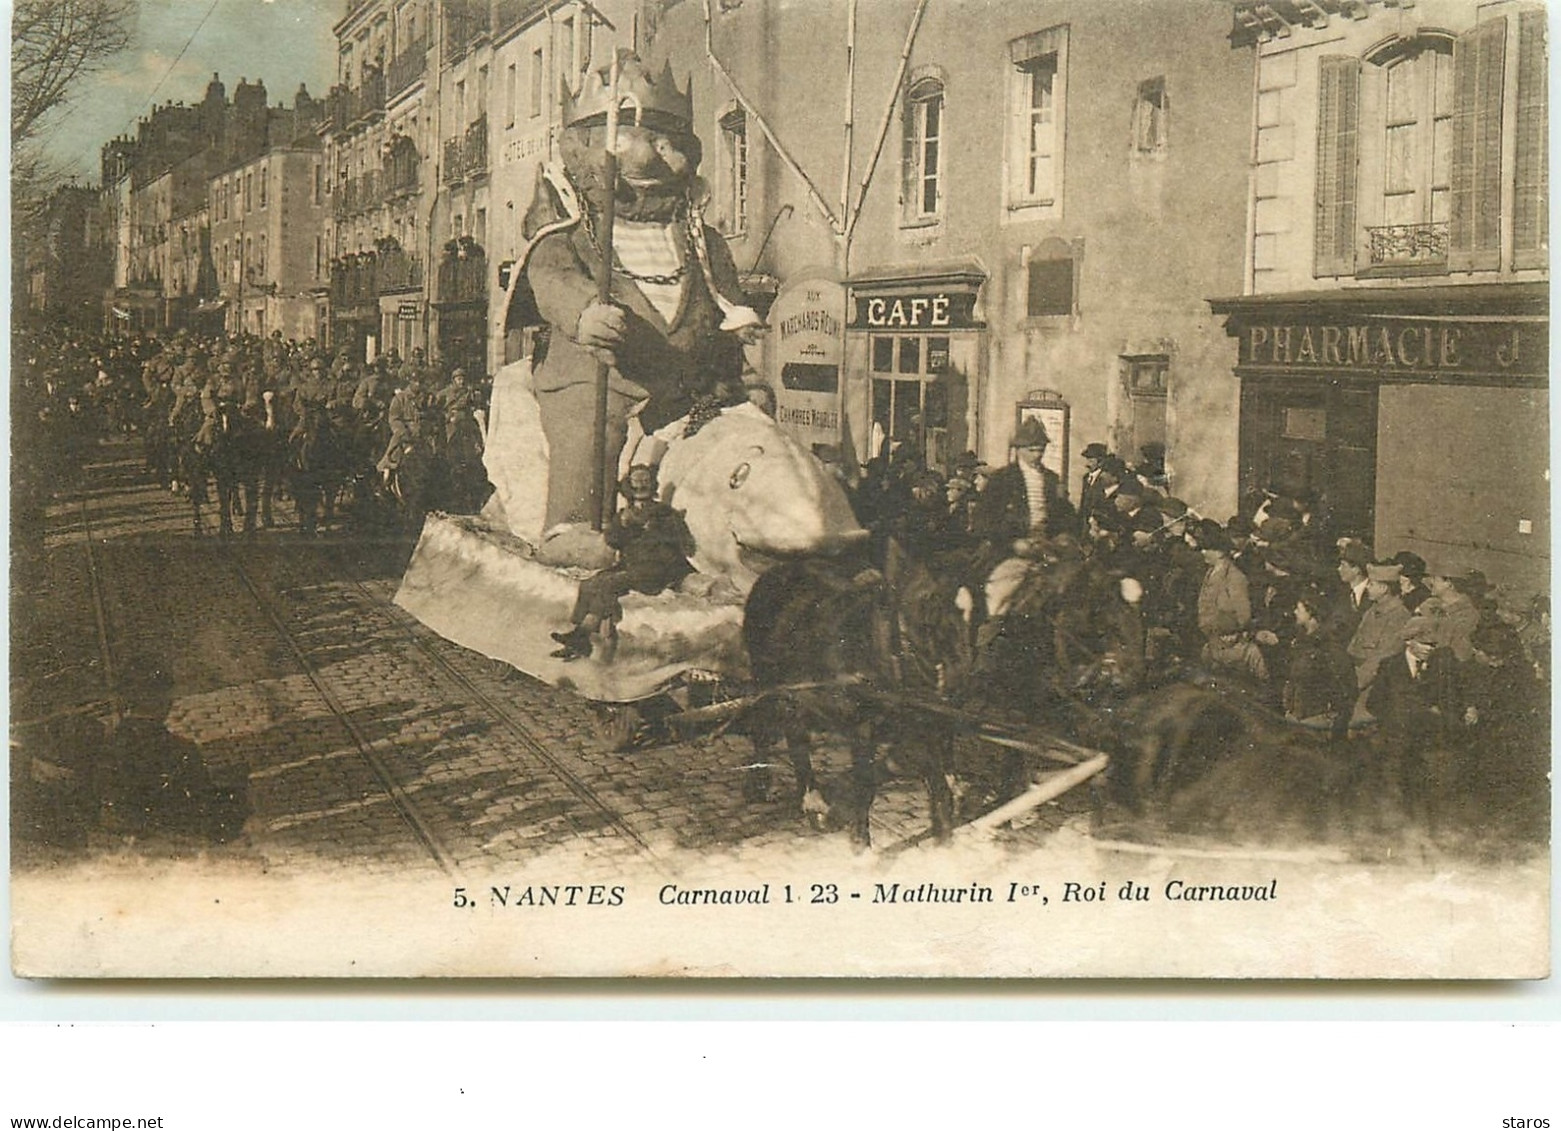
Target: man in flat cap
[{"x": 1381, "y": 631}]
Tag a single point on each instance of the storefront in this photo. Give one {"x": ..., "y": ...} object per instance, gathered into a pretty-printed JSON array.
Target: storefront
[
  {"x": 914, "y": 355},
  {"x": 1417, "y": 417},
  {"x": 401, "y": 323}
]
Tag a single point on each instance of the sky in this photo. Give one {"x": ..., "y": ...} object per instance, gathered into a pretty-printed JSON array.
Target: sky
[{"x": 283, "y": 42}]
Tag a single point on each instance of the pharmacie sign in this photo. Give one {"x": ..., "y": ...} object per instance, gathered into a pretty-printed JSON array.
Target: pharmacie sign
[
  {"x": 935, "y": 310},
  {"x": 1401, "y": 348}
]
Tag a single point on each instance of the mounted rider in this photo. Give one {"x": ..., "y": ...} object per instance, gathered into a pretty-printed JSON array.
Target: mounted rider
[{"x": 1023, "y": 505}]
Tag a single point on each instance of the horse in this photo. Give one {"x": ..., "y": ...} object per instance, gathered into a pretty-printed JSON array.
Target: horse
[
  {"x": 465, "y": 481},
  {"x": 1070, "y": 654},
  {"x": 841, "y": 646},
  {"x": 274, "y": 421},
  {"x": 190, "y": 470},
  {"x": 234, "y": 459},
  {"x": 220, "y": 448},
  {"x": 315, "y": 465},
  {"x": 412, "y": 481}
]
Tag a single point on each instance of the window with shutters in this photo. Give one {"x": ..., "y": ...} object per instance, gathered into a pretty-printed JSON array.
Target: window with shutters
[
  {"x": 1037, "y": 101},
  {"x": 1419, "y": 184},
  {"x": 1407, "y": 221},
  {"x": 1479, "y": 63},
  {"x": 922, "y": 195},
  {"x": 1531, "y": 196},
  {"x": 1338, "y": 131}
]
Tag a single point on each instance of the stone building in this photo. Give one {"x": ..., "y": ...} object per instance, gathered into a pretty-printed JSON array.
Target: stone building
[
  {"x": 174, "y": 198},
  {"x": 1051, "y": 195},
  {"x": 67, "y": 270},
  {"x": 1393, "y": 322},
  {"x": 378, "y": 135}
]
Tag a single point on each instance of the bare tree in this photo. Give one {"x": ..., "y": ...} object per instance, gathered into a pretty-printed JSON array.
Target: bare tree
[{"x": 54, "y": 44}]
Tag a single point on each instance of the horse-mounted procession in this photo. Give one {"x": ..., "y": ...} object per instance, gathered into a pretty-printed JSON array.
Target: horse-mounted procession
[{"x": 657, "y": 543}]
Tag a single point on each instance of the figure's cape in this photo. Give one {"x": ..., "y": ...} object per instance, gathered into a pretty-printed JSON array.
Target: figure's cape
[{"x": 555, "y": 207}]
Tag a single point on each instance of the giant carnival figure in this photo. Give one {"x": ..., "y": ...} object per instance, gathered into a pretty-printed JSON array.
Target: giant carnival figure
[
  {"x": 676, "y": 321},
  {"x": 630, "y": 295}
]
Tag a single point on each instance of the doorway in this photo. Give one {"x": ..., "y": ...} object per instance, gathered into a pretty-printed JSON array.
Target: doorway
[
  {"x": 918, "y": 397},
  {"x": 1320, "y": 439}
]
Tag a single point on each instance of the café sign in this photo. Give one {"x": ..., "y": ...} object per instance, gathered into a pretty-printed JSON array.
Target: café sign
[
  {"x": 1399, "y": 348},
  {"x": 937, "y": 310}
]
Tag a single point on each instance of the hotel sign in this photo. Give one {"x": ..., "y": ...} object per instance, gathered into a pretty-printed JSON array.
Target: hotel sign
[
  {"x": 1400, "y": 348},
  {"x": 809, "y": 344}
]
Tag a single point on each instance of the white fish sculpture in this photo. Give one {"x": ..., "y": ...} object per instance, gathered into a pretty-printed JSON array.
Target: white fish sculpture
[{"x": 750, "y": 492}]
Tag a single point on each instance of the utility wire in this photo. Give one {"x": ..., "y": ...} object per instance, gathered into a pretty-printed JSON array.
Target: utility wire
[{"x": 151, "y": 98}]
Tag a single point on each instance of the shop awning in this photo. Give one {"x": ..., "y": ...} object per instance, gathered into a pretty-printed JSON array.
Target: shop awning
[
  {"x": 1479, "y": 333},
  {"x": 1468, "y": 301},
  {"x": 966, "y": 271}
]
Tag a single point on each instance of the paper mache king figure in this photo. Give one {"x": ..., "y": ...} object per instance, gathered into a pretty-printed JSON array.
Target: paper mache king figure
[{"x": 675, "y": 328}]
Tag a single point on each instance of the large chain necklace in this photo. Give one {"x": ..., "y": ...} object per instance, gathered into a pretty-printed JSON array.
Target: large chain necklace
[{"x": 588, "y": 222}]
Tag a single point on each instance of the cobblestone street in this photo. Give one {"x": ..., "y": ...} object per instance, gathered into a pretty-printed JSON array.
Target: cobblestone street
[{"x": 301, "y": 717}]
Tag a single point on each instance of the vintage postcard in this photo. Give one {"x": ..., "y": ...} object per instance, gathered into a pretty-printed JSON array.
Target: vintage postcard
[{"x": 748, "y": 488}]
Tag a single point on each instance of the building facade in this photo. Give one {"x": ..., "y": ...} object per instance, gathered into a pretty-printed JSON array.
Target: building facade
[
  {"x": 196, "y": 202},
  {"x": 1393, "y": 328},
  {"x": 376, "y": 178},
  {"x": 67, "y": 270},
  {"x": 441, "y": 114},
  {"x": 1049, "y": 197},
  {"x": 269, "y": 213}
]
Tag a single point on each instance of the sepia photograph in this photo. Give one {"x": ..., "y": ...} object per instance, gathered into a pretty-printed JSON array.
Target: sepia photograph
[{"x": 780, "y": 489}]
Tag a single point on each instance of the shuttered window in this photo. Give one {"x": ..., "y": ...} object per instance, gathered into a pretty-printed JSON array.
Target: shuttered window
[
  {"x": 1530, "y": 219},
  {"x": 1475, "y": 236},
  {"x": 1037, "y": 108},
  {"x": 1338, "y": 127}
]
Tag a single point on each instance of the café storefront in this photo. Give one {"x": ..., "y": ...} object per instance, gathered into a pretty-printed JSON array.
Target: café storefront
[
  {"x": 1417, "y": 417},
  {"x": 915, "y": 352}
]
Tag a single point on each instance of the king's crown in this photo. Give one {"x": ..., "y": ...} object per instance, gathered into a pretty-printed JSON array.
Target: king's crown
[{"x": 637, "y": 90}]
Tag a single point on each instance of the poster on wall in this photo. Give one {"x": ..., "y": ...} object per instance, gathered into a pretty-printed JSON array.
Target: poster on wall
[{"x": 1053, "y": 413}]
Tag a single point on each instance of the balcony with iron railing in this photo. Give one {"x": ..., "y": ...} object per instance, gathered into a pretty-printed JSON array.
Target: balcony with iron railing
[
  {"x": 402, "y": 171},
  {"x": 474, "y": 148},
  {"x": 512, "y": 13},
  {"x": 398, "y": 270},
  {"x": 368, "y": 102},
  {"x": 466, "y": 21},
  {"x": 463, "y": 272},
  {"x": 370, "y": 192},
  {"x": 1407, "y": 249},
  {"x": 406, "y": 68},
  {"x": 355, "y": 280},
  {"x": 454, "y": 161},
  {"x": 338, "y": 109}
]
